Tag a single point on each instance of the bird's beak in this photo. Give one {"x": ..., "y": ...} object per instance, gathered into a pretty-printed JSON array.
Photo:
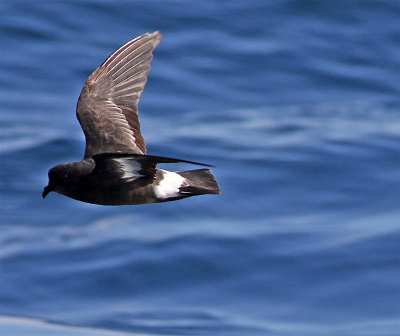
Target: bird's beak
[{"x": 46, "y": 191}]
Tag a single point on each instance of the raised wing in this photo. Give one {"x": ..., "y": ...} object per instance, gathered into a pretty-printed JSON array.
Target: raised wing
[{"x": 107, "y": 107}]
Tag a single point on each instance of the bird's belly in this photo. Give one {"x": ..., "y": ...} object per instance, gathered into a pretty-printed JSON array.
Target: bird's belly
[{"x": 126, "y": 194}]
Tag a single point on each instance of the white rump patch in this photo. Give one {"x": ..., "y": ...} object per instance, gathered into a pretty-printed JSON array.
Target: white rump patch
[
  {"x": 130, "y": 168},
  {"x": 169, "y": 185}
]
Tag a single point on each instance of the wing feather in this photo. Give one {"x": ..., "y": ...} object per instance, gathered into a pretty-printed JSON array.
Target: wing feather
[{"x": 108, "y": 105}]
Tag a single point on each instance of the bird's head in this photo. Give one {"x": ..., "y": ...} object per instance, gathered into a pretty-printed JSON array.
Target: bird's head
[
  {"x": 59, "y": 176},
  {"x": 66, "y": 176}
]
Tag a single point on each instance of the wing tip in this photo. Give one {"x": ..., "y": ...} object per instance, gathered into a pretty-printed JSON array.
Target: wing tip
[
  {"x": 156, "y": 33},
  {"x": 156, "y": 36}
]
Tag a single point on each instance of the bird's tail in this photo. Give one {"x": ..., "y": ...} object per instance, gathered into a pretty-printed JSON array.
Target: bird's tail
[{"x": 201, "y": 181}]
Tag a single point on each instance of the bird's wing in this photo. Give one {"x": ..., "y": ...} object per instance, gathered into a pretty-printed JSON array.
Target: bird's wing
[
  {"x": 127, "y": 168},
  {"x": 149, "y": 160},
  {"x": 108, "y": 105},
  {"x": 114, "y": 168}
]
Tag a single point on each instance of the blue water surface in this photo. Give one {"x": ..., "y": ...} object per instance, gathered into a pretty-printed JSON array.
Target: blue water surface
[{"x": 297, "y": 105}]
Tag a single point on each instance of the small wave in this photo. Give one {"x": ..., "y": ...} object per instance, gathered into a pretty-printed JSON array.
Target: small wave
[{"x": 18, "y": 326}]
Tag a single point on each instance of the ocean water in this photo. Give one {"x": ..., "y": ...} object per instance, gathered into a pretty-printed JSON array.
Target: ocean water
[{"x": 297, "y": 105}]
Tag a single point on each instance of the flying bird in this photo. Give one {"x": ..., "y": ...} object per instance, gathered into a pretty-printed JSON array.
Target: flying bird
[{"x": 115, "y": 169}]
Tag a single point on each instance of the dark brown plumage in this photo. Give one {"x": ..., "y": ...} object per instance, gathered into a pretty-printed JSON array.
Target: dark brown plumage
[{"x": 115, "y": 169}]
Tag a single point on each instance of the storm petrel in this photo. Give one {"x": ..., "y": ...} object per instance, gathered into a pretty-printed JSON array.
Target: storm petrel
[{"x": 115, "y": 169}]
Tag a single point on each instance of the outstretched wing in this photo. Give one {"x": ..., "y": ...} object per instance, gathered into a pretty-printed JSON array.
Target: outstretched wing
[{"x": 107, "y": 107}]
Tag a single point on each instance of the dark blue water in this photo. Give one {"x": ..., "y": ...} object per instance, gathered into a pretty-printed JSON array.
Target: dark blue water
[{"x": 296, "y": 103}]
